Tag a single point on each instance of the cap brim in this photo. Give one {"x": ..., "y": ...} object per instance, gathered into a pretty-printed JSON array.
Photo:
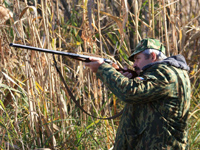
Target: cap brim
[{"x": 131, "y": 58}]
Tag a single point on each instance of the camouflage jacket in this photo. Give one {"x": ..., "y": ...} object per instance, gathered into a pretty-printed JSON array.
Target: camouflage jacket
[{"x": 156, "y": 105}]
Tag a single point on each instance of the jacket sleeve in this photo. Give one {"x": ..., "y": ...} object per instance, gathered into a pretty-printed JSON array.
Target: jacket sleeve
[{"x": 146, "y": 88}]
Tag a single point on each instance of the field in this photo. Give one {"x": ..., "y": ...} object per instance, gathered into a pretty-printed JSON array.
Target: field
[{"x": 36, "y": 111}]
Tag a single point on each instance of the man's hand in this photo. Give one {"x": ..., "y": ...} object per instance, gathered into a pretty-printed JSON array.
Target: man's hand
[
  {"x": 126, "y": 74},
  {"x": 94, "y": 64}
]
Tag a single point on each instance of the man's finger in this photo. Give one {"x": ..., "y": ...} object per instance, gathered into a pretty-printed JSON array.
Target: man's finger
[
  {"x": 125, "y": 73},
  {"x": 129, "y": 75}
]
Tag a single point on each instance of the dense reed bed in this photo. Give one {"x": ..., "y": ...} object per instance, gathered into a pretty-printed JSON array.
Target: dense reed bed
[{"x": 35, "y": 108}]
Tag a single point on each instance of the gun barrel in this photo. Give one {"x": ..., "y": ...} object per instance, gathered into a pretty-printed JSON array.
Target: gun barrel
[{"x": 84, "y": 58}]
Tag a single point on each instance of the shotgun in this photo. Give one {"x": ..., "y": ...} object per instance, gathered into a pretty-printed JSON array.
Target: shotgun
[{"x": 83, "y": 58}]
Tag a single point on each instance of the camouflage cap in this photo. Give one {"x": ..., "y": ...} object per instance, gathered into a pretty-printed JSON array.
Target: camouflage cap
[{"x": 148, "y": 43}]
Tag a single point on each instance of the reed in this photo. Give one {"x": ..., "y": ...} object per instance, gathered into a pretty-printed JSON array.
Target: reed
[{"x": 36, "y": 110}]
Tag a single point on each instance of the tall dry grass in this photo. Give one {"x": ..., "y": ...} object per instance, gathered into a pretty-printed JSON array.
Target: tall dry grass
[{"x": 36, "y": 110}]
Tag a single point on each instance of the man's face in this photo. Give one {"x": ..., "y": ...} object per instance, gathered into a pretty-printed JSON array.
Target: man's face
[{"x": 140, "y": 61}]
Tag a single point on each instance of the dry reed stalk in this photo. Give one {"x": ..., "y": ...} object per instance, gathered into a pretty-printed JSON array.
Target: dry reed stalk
[
  {"x": 49, "y": 132},
  {"x": 165, "y": 29},
  {"x": 2, "y": 54},
  {"x": 84, "y": 23},
  {"x": 19, "y": 25},
  {"x": 136, "y": 21},
  {"x": 101, "y": 50},
  {"x": 16, "y": 123},
  {"x": 94, "y": 91},
  {"x": 84, "y": 26},
  {"x": 160, "y": 24},
  {"x": 153, "y": 18},
  {"x": 94, "y": 104},
  {"x": 63, "y": 115},
  {"x": 51, "y": 72},
  {"x": 27, "y": 72},
  {"x": 53, "y": 75},
  {"x": 100, "y": 93},
  {"x": 99, "y": 25},
  {"x": 85, "y": 99},
  {"x": 107, "y": 134},
  {"x": 61, "y": 66},
  {"x": 149, "y": 17},
  {"x": 40, "y": 64},
  {"x": 172, "y": 21},
  {"x": 106, "y": 100},
  {"x": 122, "y": 25}
]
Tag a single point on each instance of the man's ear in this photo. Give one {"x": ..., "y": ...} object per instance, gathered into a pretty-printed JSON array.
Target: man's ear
[{"x": 153, "y": 56}]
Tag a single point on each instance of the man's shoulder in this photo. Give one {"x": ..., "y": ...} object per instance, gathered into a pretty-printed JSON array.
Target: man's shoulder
[
  {"x": 164, "y": 68},
  {"x": 162, "y": 72},
  {"x": 167, "y": 72}
]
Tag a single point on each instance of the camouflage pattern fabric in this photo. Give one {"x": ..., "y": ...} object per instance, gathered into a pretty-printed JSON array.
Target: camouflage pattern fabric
[
  {"x": 147, "y": 43},
  {"x": 156, "y": 107}
]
